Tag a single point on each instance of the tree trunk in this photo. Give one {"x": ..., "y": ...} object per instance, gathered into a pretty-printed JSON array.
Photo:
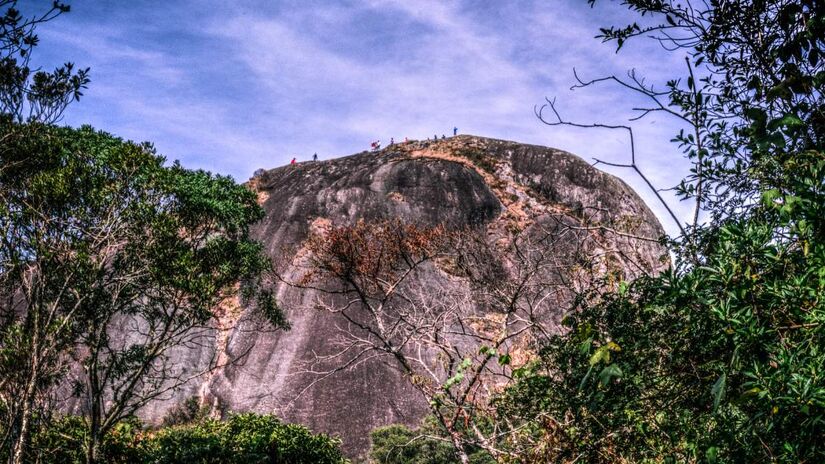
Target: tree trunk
[
  {"x": 92, "y": 448},
  {"x": 95, "y": 412},
  {"x": 93, "y": 443},
  {"x": 19, "y": 451},
  {"x": 459, "y": 449},
  {"x": 22, "y": 436}
]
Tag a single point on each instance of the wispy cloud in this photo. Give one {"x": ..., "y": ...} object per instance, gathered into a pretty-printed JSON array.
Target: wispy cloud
[{"x": 240, "y": 87}]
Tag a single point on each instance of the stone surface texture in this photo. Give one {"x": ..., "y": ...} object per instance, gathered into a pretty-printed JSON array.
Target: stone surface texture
[{"x": 501, "y": 188}]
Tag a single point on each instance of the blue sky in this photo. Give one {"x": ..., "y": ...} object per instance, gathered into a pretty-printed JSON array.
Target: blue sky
[{"x": 234, "y": 86}]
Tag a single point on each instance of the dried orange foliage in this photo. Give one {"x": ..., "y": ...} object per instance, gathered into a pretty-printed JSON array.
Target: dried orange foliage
[{"x": 372, "y": 251}]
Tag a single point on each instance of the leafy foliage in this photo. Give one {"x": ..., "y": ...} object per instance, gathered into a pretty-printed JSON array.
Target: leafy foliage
[
  {"x": 186, "y": 412},
  {"x": 98, "y": 234},
  {"x": 719, "y": 359},
  {"x": 28, "y": 94},
  {"x": 63, "y": 442},
  {"x": 722, "y": 357},
  {"x": 244, "y": 438},
  {"x": 397, "y": 444}
]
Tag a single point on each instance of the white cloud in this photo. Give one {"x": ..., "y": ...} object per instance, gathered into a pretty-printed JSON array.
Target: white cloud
[{"x": 237, "y": 89}]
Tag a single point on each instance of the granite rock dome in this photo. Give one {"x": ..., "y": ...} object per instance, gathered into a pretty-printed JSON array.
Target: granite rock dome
[{"x": 497, "y": 187}]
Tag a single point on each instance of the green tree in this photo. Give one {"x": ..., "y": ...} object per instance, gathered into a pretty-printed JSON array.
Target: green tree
[
  {"x": 114, "y": 260},
  {"x": 28, "y": 94},
  {"x": 719, "y": 359},
  {"x": 33, "y": 95},
  {"x": 109, "y": 259}
]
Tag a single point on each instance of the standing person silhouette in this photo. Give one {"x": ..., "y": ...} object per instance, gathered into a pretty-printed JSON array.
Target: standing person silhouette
[
  {"x": 315, "y": 157},
  {"x": 293, "y": 161},
  {"x": 455, "y": 131}
]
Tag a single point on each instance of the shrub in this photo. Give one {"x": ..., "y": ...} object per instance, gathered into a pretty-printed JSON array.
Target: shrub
[
  {"x": 241, "y": 439},
  {"x": 186, "y": 412},
  {"x": 398, "y": 444}
]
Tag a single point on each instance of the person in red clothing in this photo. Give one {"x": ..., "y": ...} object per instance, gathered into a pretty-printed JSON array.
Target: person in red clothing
[{"x": 293, "y": 161}]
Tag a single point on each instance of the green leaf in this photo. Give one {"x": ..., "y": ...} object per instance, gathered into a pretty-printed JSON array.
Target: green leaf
[
  {"x": 603, "y": 353},
  {"x": 623, "y": 288},
  {"x": 790, "y": 120},
  {"x": 453, "y": 380},
  {"x": 718, "y": 390},
  {"x": 770, "y": 196},
  {"x": 584, "y": 346},
  {"x": 585, "y": 378},
  {"x": 712, "y": 454},
  {"x": 609, "y": 373}
]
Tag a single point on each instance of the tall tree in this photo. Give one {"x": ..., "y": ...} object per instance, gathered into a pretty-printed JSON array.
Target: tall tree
[
  {"x": 35, "y": 96},
  {"x": 108, "y": 258},
  {"x": 114, "y": 260}
]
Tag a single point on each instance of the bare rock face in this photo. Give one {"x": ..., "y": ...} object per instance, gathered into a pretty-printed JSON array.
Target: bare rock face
[{"x": 499, "y": 188}]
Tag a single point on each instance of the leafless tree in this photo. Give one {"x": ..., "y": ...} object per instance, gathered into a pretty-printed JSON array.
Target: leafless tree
[{"x": 455, "y": 312}]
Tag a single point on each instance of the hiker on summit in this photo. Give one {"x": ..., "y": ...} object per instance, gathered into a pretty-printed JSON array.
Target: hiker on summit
[
  {"x": 293, "y": 161},
  {"x": 376, "y": 145},
  {"x": 315, "y": 157},
  {"x": 392, "y": 141},
  {"x": 455, "y": 131}
]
